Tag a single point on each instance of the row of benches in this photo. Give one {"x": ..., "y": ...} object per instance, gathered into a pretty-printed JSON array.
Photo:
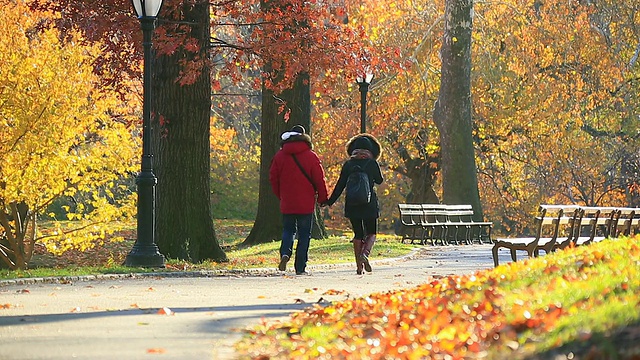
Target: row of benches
[
  {"x": 562, "y": 226},
  {"x": 440, "y": 223}
]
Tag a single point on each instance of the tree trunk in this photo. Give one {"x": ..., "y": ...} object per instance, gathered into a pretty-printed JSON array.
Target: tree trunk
[
  {"x": 422, "y": 170},
  {"x": 279, "y": 113},
  {"x": 422, "y": 177},
  {"x": 298, "y": 100},
  {"x": 268, "y": 224},
  {"x": 452, "y": 113},
  {"x": 180, "y": 132},
  {"x": 296, "y": 103}
]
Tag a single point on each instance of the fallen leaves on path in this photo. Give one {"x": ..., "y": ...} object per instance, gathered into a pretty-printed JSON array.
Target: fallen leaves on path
[
  {"x": 165, "y": 311},
  {"x": 156, "y": 351},
  {"x": 334, "y": 292},
  {"x": 503, "y": 311}
]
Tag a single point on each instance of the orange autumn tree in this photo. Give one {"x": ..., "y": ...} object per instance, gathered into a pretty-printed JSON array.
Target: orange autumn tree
[
  {"x": 556, "y": 105},
  {"x": 191, "y": 61},
  {"x": 400, "y": 101},
  {"x": 586, "y": 102},
  {"x": 61, "y": 136},
  {"x": 296, "y": 44}
]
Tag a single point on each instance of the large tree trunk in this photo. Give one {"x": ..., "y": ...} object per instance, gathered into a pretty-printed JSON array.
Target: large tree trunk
[
  {"x": 422, "y": 176},
  {"x": 180, "y": 130},
  {"x": 422, "y": 170},
  {"x": 268, "y": 224},
  {"x": 452, "y": 113},
  {"x": 296, "y": 103},
  {"x": 298, "y": 100},
  {"x": 297, "y": 110}
]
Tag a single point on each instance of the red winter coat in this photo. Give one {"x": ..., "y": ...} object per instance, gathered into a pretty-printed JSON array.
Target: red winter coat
[{"x": 294, "y": 190}]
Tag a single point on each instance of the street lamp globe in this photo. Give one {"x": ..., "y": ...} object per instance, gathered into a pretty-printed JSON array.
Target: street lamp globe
[
  {"x": 364, "y": 78},
  {"x": 147, "y": 8}
]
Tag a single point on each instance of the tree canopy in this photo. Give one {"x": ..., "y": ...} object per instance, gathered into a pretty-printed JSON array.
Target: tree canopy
[
  {"x": 62, "y": 135},
  {"x": 553, "y": 90}
]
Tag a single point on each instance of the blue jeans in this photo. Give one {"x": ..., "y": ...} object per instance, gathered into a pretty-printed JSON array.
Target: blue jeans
[{"x": 301, "y": 223}]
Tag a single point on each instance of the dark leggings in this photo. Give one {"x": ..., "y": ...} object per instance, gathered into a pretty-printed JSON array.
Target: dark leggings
[{"x": 362, "y": 227}]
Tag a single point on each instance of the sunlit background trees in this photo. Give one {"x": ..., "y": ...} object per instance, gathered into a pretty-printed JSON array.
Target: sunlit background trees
[{"x": 554, "y": 111}]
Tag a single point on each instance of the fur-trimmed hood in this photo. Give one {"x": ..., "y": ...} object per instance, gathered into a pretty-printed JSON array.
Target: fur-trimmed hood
[
  {"x": 365, "y": 142},
  {"x": 298, "y": 138}
]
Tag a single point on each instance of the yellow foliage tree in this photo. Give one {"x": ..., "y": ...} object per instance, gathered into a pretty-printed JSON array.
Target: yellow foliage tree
[{"x": 60, "y": 136}]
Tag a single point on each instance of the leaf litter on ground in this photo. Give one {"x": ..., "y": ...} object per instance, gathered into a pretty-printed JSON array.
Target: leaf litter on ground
[{"x": 581, "y": 303}]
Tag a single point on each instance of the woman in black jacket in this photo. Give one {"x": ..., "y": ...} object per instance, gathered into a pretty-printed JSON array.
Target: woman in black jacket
[{"x": 363, "y": 151}]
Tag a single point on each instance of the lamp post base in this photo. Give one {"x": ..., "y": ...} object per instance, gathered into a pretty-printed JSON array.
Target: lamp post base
[{"x": 144, "y": 256}]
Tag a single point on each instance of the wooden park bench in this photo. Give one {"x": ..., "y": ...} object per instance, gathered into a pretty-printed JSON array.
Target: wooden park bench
[
  {"x": 442, "y": 223},
  {"x": 410, "y": 222},
  {"x": 591, "y": 224},
  {"x": 551, "y": 223},
  {"x": 453, "y": 224},
  {"x": 628, "y": 222},
  {"x": 461, "y": 216},
  {"x": 563, "y": 226}
]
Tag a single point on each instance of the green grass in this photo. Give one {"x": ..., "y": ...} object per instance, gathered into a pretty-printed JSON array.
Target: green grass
[
  {"x": 332, "y": 250},
  {"x": 70, "y": 271},
  {"x": 108, "y": 259}
]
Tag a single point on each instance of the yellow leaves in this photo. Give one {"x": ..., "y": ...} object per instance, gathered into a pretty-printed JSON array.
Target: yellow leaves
[
  {"x": 448, "y": 333},
  {"x": 61, "y": 132}
]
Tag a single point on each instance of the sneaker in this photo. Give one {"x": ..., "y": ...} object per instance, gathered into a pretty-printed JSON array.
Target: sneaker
[
  {"x": 303, "y": 273},
  {"x": 365, "y": 261},
  {"x": 283, "y": 263}
]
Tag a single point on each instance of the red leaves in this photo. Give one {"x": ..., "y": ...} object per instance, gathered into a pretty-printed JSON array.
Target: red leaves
[
  {"x": 543, "y": 319},
  {"x": 166, "y": 311},
  {"x": 156, "y": 351}
]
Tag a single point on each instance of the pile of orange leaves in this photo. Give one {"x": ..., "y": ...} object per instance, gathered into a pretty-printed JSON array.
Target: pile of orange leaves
[{"x": 498, "y": 311}]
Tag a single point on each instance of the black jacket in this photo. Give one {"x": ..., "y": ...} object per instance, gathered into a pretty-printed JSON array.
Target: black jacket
[
  {"x": 364, "y": 150},
  {"x": 366, "y": 211}
]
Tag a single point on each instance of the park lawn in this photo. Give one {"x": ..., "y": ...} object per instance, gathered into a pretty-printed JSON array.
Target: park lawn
[
  {"x": 109, "y": 257},
  {"x": 580, "y": 303}
]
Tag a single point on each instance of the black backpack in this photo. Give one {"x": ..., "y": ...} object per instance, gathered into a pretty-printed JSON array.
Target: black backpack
[{"x": 358, "y": 191}]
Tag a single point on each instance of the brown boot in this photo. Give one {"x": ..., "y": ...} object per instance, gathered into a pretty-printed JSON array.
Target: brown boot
[
  {"x": 357, "y": 250},
  {"x": 369, "y": 240}
]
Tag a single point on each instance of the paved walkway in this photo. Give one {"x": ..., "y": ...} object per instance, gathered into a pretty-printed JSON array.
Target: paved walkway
[{"x": 189, "y": 317}]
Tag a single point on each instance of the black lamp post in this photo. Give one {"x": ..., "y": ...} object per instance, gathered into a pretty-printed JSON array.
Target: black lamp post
[
  {"x": 363, "y": 82},
  {"x": 145, "y": 251}
]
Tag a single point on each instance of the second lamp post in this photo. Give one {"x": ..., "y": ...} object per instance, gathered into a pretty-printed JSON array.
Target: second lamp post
[
  {"x": 145, "y": 251},
  {"x": 363, "y": 83}
]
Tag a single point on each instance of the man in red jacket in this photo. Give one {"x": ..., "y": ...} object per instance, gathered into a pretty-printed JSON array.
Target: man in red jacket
[{"x": 297, "y": 177}]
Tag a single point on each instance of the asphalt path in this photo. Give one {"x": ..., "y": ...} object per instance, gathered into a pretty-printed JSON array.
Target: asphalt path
[{"x": 193, "y": 316}]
